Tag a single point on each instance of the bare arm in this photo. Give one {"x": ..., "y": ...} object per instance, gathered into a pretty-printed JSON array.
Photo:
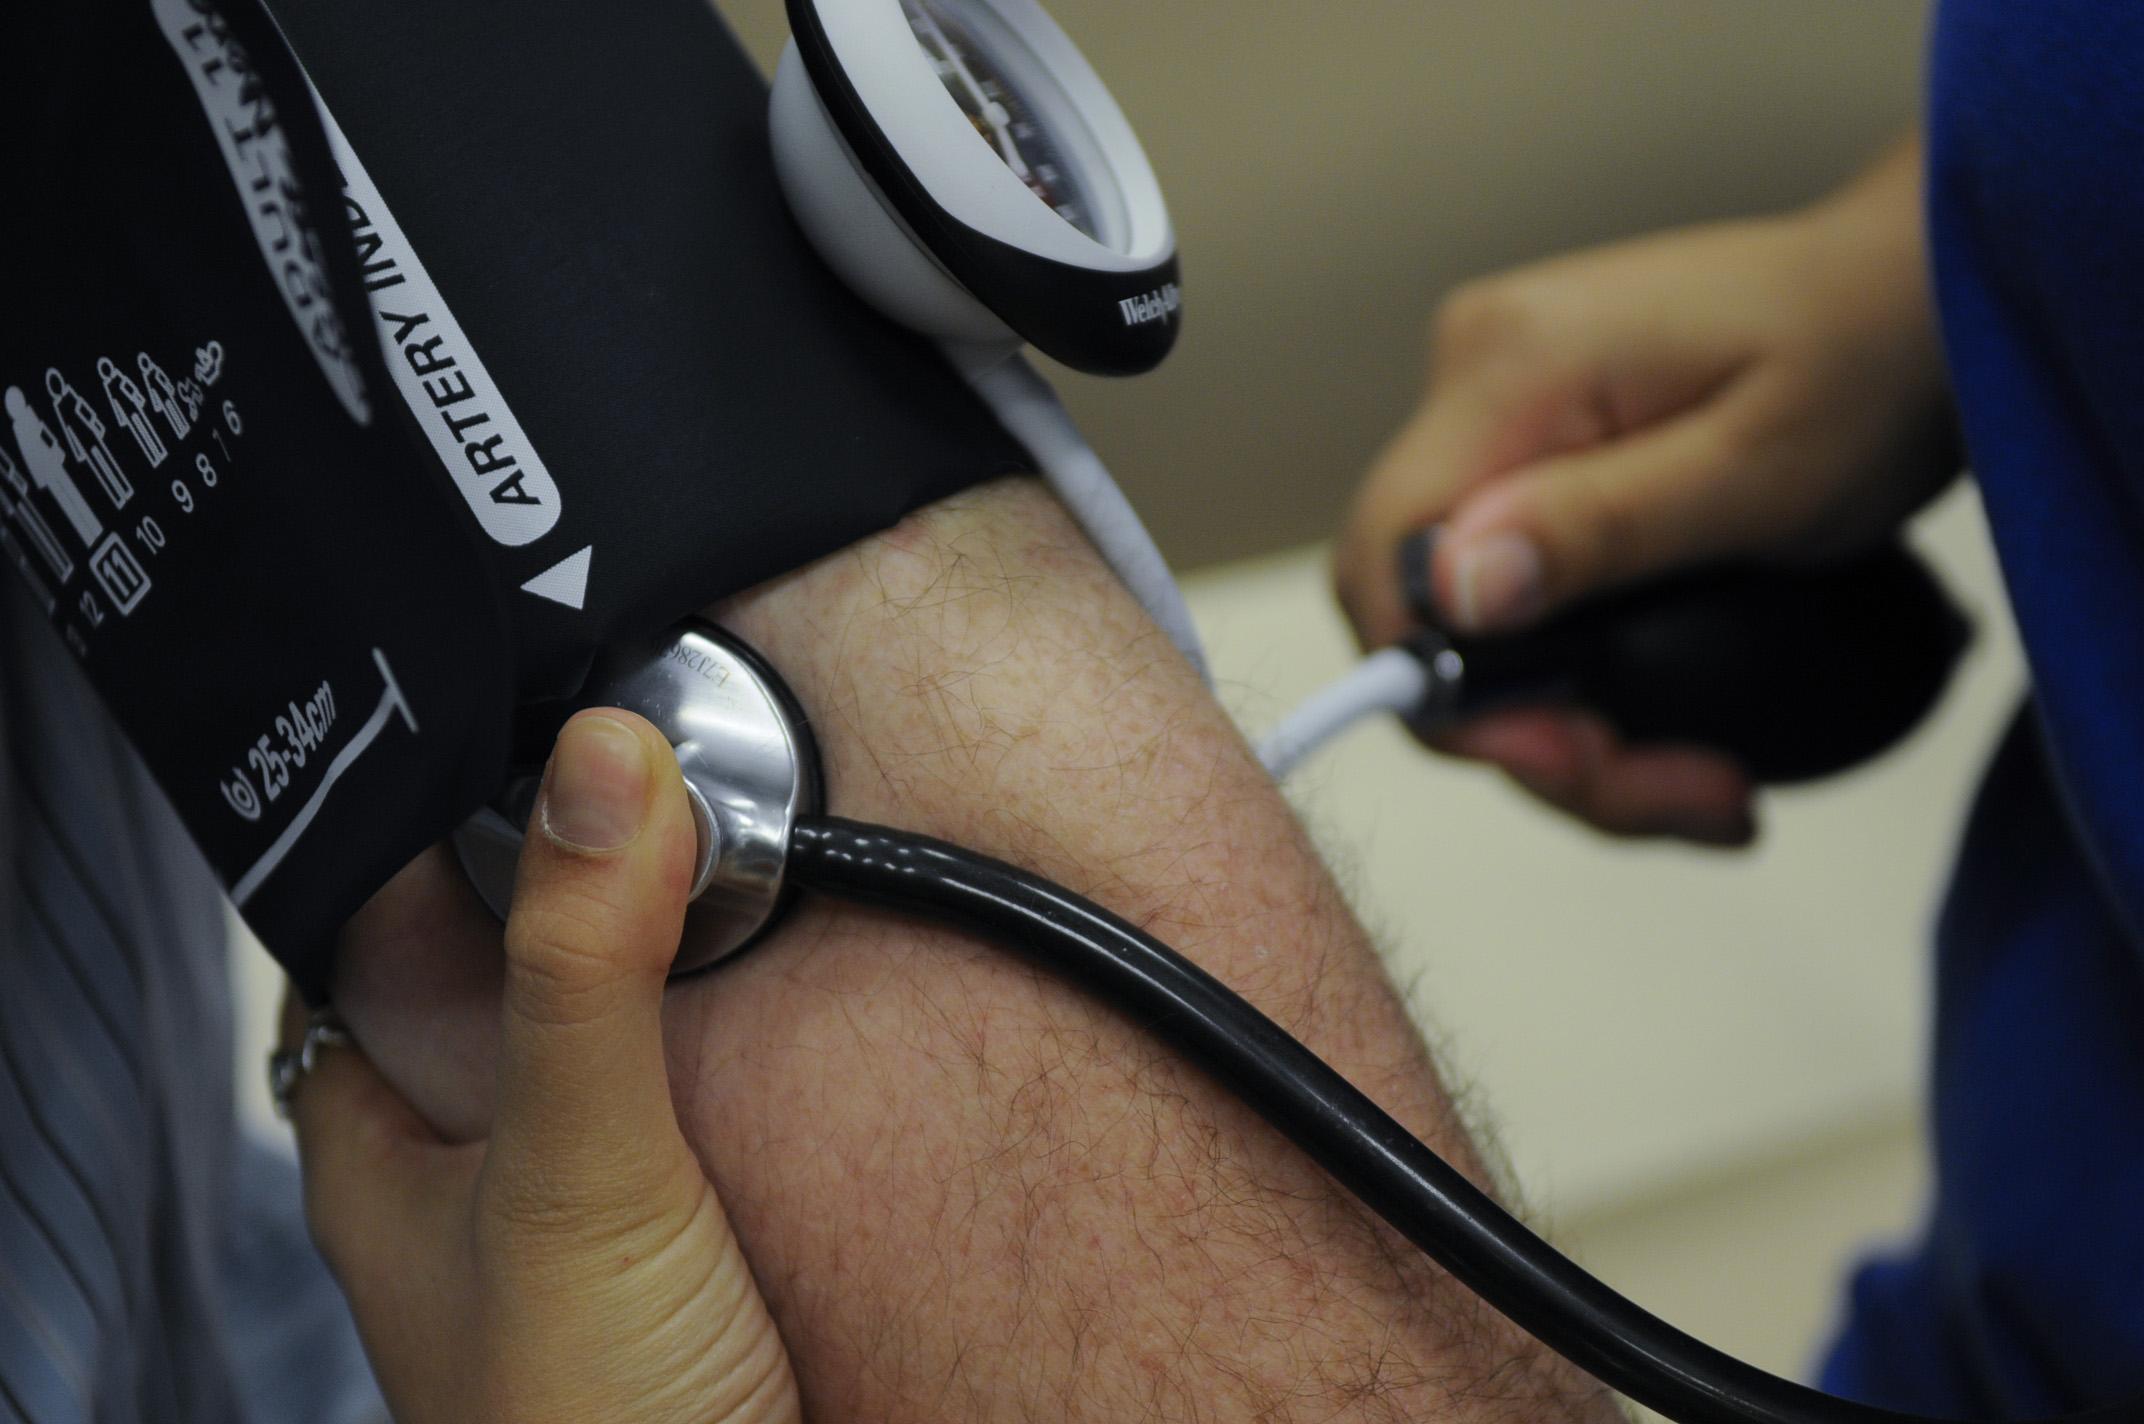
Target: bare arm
[
  {"x": 971, "y": 1192},
  {"x": 967, "y": 1191}
]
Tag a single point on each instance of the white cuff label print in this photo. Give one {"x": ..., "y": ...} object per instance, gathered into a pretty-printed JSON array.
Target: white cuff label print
[
  {"x": 258, "y": 154},
  {"x": 67, "y": 462},
  {"x": 436, "y": 368},
  {"x": 277, "y": 758}
]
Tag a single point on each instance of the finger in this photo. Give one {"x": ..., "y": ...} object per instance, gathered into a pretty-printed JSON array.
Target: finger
[
  {"x": 584, "y": 1128},
  {"x": 1574, "y": 761},
  {"x": 1473, "y": 425},
  {"x": 1542, "y": 746},
  {"x": 1680, "y": 493},
  {"x": 369, "y": 1161},
  {"x": 1687, "y": 793}
]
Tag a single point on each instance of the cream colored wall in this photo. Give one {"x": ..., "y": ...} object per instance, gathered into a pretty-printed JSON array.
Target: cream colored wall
[{"x": 1333, "y": 167}]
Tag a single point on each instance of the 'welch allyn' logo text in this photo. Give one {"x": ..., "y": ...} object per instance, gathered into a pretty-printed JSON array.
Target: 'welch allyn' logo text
[{"x": 1157, "y": 305}]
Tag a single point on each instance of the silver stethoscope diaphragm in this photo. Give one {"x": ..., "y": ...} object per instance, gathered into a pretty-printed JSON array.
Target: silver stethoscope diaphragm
[{"x": 751, "y": 769}]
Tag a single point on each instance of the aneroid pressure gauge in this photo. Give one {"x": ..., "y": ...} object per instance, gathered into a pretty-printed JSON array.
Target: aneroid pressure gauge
[{"x": 963, "y": 168}]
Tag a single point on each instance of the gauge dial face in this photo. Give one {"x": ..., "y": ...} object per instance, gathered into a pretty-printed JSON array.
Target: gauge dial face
[{"x": 1002, "y": 110}]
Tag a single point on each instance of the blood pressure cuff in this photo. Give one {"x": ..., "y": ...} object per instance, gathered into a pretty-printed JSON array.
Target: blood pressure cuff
[{"x": 336, "y": 431}]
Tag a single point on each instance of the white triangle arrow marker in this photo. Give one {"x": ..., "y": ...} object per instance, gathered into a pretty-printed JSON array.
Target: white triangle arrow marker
[{"x": 565, "y": 581}]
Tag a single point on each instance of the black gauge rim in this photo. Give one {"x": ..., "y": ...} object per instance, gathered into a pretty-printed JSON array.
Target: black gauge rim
[{"x": 1102, "y": 322}]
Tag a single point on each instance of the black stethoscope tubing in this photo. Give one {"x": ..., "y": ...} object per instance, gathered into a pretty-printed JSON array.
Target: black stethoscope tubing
[{"x": 1392, "y": 1172}]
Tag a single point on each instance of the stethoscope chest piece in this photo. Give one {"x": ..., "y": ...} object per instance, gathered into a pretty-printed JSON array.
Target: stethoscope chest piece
[{"x": 751, "y": 770}]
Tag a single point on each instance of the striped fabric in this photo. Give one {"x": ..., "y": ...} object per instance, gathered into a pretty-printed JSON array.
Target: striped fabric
[{"x": 153, "y": 1266}]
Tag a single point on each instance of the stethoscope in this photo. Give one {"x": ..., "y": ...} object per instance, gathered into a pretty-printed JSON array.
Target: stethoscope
[{"x": 961, "y": 165}]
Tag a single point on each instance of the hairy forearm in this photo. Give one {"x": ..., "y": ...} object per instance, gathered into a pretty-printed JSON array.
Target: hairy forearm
[{"x": 971, "y": 1193}]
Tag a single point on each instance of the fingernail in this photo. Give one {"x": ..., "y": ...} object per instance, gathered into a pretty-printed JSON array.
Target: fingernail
[
  {"x": 597, "y": 793},
  {"x": 1497, "y": 582}
]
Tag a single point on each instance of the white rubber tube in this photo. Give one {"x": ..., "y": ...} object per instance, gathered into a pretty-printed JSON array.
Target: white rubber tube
[{"x": 1390, "y": 680}]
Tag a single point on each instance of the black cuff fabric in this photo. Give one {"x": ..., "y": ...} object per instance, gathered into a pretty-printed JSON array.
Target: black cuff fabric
[
  {"x": 591, "y": 190},
  {"x": 322, "y": 470}
]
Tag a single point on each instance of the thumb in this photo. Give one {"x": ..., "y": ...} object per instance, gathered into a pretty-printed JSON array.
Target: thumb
[
  {"x": 1558, "y": 530},
  {"x": 585, "y": 1128}
]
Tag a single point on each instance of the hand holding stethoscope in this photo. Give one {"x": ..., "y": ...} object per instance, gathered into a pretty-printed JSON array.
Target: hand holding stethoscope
[{"x": 560, "y": 1253}]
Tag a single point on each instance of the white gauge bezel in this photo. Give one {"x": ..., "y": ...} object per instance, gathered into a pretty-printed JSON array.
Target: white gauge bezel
[{"x": 924, "y": 125}]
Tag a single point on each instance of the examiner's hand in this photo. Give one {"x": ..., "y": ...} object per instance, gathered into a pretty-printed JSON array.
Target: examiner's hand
[
  {"x": 1768, "y": 390},
  {"x": 573, "y": 1263}
]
